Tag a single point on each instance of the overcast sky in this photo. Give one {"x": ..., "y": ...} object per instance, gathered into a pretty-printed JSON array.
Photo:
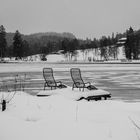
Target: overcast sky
[{"x": 83, "y": 18}]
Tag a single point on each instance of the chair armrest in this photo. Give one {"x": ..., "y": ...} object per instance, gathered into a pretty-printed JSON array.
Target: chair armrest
[{"x": 77, "y": 83}]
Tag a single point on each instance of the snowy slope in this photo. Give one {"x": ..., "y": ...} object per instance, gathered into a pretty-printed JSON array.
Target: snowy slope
[{"x": 81, "y": 56}]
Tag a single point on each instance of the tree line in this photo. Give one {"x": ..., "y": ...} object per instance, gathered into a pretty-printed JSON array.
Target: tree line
[
  {"x": 22, "y": 46},
  {"x": 132, "y": 45}
]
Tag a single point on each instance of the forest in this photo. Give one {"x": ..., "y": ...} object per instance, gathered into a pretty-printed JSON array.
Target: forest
[{"x": 20, "y": 46}]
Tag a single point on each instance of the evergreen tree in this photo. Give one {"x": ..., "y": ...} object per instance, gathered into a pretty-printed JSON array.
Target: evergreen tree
[
  {"x": 136, "y": 49},
  {"x": 17, "y": 45},
  {"x": 10, "y": 51},
  {"x": 25, "y": 48},
  {"x": 129, "y": 43},
  {"x": 65, "y": 46},
  {"x": 73, "y": 45},
  {"x": 103, "y": 47},
  {"x": 3, "y": 42}
]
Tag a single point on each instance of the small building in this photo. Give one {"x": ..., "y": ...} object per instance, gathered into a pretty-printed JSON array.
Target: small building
[{"x": 121, "y": 41}]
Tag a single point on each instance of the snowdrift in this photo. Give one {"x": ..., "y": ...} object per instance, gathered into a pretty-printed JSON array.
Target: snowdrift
[
  {"x": 76, "y": 94},
  {"x": 59, "y": 116}
]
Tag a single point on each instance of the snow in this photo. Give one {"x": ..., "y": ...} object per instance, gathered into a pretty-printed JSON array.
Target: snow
[
  {"x": 75, "y": 94},
  {"x": 81, "y": 57},
  {"x": 60, "y": 117},
  {"x": 55, "y": 58}
]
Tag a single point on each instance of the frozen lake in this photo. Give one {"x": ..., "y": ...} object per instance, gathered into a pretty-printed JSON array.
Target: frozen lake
[
  {"x": 59, "y": 116},
  {"x": 122, "y": 80}
]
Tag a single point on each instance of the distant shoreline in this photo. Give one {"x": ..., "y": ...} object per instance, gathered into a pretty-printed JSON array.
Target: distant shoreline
[{"x": 13, "y": 62}]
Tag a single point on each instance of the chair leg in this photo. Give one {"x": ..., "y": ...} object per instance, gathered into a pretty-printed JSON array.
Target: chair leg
[
  {"x": 44, "y": 85},
  {"x": 73, "y": 87}
]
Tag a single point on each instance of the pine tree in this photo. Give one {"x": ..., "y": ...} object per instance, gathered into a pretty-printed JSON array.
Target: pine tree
[
  {"x": 3, "y": 42},
  {"x": 18, "y": 45},
  {"x": 129, "y": 43},
  {"x": 25, "y": 48}
]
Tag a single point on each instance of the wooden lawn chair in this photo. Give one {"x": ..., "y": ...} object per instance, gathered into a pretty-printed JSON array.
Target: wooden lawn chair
[
  {"x": 77, "y": 79},
  {"x": 49, "y": 79}
]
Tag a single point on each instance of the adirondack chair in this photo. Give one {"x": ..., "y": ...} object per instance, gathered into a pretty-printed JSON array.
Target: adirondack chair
[
  {"x": 49, "y": 79},
  {"x": 78, "y": 82}
]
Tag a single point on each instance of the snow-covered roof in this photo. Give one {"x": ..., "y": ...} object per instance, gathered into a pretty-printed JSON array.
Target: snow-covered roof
[{"x": 123, "y": 39}]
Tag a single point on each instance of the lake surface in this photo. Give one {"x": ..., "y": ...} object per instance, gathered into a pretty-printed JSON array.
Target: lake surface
[{"x": 122, "y": 80}]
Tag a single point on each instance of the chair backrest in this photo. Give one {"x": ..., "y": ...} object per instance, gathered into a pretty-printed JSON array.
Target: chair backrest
[
  {"x": 76, "y": 76},
  {"x": 48, "y": 76}
]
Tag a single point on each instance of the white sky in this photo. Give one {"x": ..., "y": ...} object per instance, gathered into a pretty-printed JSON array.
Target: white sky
[{"x": 83, "y": 18}]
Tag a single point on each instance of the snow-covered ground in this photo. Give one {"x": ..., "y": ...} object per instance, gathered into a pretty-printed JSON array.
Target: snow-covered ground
[
  {"x": 89, "y": 55},
  {"x": 58, "y": 117}
]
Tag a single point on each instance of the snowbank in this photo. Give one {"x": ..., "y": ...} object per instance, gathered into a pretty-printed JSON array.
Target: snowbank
[
  {"x": 59, "y": 118},
  {"x": 73, "y": 94}
]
